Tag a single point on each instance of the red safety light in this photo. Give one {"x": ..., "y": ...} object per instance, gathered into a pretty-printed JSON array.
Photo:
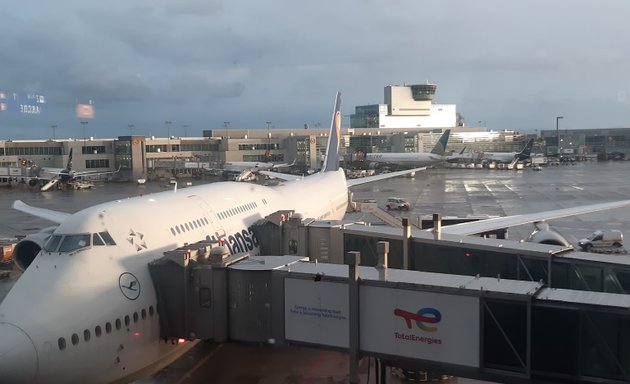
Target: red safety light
[
  {"x": 467, "y": 254},
  {"x": 181, "y": 341}
]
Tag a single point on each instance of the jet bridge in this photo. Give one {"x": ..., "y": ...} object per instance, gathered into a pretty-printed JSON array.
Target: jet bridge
[{"x": 479, "y": 327}]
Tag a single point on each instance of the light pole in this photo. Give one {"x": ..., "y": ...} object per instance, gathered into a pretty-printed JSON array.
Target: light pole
[
  {"x": 54, "y": 127},
  {"x": 185, "y": 130},
  {"x": 268, "y": 153},
  {"x": 226, "y": 124},
  {"x": 130, "y": 126},
  {"x": 168, "y": 134},
  {"x": 84, "y": 124},
  {"x": 558, "y": 134}
]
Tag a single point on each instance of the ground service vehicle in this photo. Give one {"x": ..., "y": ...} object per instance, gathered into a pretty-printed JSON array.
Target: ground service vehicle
[
  {"x": 602, "y": 239},
  {"x": 398, "y": 204}
]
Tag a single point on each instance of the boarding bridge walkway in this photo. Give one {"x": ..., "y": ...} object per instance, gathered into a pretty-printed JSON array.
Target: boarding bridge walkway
[{"x": 488, "y": 328}]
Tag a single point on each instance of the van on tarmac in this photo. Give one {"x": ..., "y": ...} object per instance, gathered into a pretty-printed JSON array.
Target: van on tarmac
[{"x": 599, "y": 240}]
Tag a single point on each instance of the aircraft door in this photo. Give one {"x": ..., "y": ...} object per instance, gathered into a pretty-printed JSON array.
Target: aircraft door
[{"x": 216, "y": 229}]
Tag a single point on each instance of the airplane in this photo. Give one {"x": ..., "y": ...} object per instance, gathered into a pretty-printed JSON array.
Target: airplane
[
  {"x": 455, "y": 158},
  {"x": 244, "y": 170},
  {"x": 66, "y": 177},
  {"x": 509, "y": 157},
  {"x": 84, "y": 309},
  {"x": 412, "y": 159}
]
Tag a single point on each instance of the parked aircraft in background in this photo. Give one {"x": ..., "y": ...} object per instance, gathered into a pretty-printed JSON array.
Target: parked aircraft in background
[
  {"x": 509, "y": 157},
  {"x": 412, "y": 159},
  {"x": 66, "y": 177},
  {"x": 246, "y": 170}
]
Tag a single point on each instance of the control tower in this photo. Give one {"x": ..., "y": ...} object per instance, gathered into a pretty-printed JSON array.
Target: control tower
[{"x": 410, "y": 100}]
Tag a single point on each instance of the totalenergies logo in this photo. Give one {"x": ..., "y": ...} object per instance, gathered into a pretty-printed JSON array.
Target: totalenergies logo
[{"x": 423, "y": 317}]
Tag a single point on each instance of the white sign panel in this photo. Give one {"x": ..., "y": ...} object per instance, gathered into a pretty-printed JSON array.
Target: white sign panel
[
  {"x": 421, "y": 325},
  {"x": 316, "y": 312}
]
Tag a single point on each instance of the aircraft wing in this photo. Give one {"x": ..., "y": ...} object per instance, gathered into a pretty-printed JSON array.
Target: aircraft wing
[
  {"x": 382, "y": 176},
  {"x": 93, "y": 173},
  {"x": 48, "y": 214},
  {"x": 475, "y": 227},
  {"x": 282, "y": 176}
]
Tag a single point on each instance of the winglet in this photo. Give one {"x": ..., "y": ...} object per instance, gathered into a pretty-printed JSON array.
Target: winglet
[
  {"x": 47, "y": 214},
  {"x": 331, "y": 162}
]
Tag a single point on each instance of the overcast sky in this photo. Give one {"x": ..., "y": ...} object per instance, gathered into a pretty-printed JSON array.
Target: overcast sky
[{"x": 198, "y": 63}]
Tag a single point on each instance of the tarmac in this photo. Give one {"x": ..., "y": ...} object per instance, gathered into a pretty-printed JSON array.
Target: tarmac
[{"x": 452, "y": 192}]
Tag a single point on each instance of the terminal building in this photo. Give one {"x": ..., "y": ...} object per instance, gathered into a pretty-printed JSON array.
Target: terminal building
[{"x": 407, "y": 121}]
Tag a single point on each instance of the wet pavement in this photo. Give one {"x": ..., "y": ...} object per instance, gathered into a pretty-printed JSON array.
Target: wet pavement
[{"x": 452, "y": 192}]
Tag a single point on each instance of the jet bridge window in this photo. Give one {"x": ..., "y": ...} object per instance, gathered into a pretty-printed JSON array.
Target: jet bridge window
[{"x": 73, "y": 242}]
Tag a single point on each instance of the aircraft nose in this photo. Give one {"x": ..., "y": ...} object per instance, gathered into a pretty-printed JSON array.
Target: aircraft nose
[{"x": 18, "y": 358}]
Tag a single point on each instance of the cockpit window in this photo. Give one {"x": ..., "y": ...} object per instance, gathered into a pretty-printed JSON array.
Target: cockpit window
[
  {"x": 73, "y": 242},
  {"x": 96, "y": 239},
  {"x": 107, "y": 238},
  {"x": 52, "y": 243}
]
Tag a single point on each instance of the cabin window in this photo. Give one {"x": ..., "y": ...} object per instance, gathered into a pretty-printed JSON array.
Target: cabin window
[
  {"x": 52, "y": 243},
  {"x": 86, "y": 335},
  {"x": 151, "y": 311},
  {"x": 96, "y": 239},
  {"x": 108, "y": 327},
  {"x": 127, "y": 320},
  {"x": 75, "y": 339},
  {"x": 143, "y": 313},
  {"x": 135, "y": 317},
  {"x": 177, "y": 228},
  {"x": 107, "y": 238},
  {"x": 73, "y": 242},
  {"x": 61, "y": 343},
  {"x": 118, "y": 324},
  {"x": 187, "y": 227},
  {"x": 173, "y": 231},
  {"x": 97, "y": 331}
]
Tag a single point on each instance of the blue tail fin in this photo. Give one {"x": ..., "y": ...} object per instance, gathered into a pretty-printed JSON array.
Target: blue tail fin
[
  {"x": 331, "y": 162},
  {"x": 440, "y": 146},
  {"x": 527, "y": 151}
]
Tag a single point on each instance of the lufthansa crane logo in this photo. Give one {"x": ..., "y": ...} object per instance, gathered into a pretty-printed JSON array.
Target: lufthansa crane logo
[
  {"x": 338, "y": 123},
  {"x": 129, "y": 285}
]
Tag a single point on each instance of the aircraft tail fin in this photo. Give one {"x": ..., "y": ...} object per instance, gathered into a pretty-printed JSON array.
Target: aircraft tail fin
[
  {"x": 527, "y": 150},
  {"x": 69, "y": 165},
  {"x": 440, "y": 146},
  {"x": 331, "y": 162}
]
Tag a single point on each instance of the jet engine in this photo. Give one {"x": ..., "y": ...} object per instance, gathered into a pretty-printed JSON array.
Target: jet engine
[
  {"x": 543, "y": 234},
  {"x": 26, "y": 249}
]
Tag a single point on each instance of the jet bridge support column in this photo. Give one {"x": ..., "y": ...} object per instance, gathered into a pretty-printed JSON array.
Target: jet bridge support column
[
  {"x": 406, "y": 237},
  {"x": 353, "y": 259}
]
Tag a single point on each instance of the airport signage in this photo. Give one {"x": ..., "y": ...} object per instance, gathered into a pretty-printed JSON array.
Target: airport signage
[
  {"x": 420, "y": 325},
  {"x": 316, "y": 312}
]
